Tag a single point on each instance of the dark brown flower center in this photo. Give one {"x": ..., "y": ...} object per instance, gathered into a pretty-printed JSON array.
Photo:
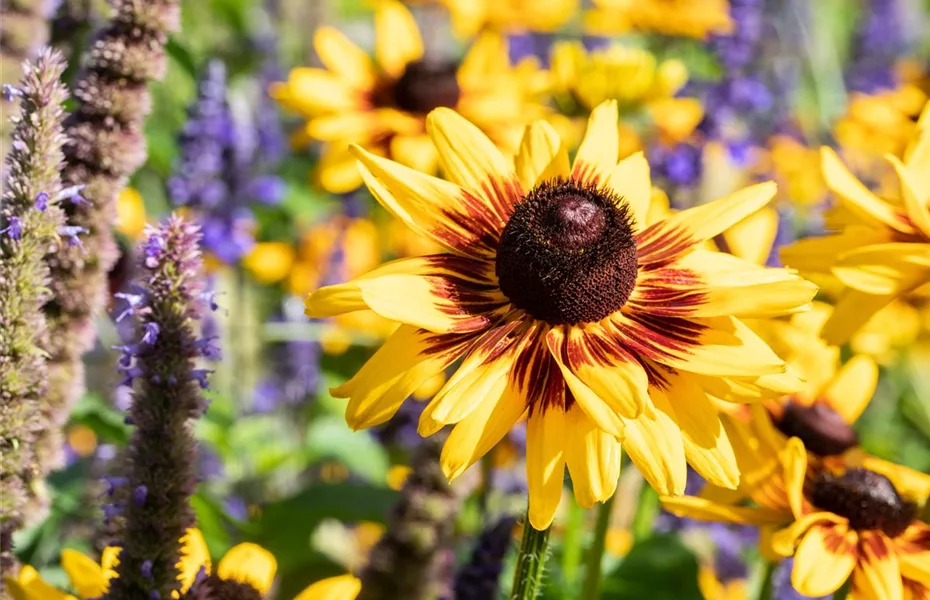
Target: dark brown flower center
[
  {"x": 567, "y": 254},
  {"x": 821, "y": 428},
  {"x": 425, "y": 86},
  {"x": 213, "y": 587},
  {"x": 869, "y": 500}
]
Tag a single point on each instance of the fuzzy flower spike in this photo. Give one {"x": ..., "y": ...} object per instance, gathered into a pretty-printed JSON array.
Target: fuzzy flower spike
[
  {"x": 160, "y": 475},
  {"x": 106, "y": 144},
  {"x": 29, "y": 225}
]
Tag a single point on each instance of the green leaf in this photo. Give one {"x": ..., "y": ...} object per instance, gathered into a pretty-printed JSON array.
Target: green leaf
[
  {"x": 105, "y": 420},
  {"x": 330, "y": 437},
  {"x": 659, "y": 568}
]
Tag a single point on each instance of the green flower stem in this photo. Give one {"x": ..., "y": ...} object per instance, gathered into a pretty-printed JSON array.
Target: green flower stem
[
  {"x": 592, "y": 579},
  {"x": 647, "y": 508},
  {"x": 572, "y": 548},
  {"x": 841, "y": 593},
  {"x": 531, "y": 562},
  {"x": 764, "y": 591}
]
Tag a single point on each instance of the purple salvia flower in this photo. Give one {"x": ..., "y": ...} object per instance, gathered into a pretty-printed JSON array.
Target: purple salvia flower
[
  {"x": 72, "y": 233},
  {"x": 11, "y": 92},
  {"x": 876, "y": 47},
  {"x": 161, "y": 453},
  {"x": 33, "y": 166},
  {"x": 106, "y": 144},
  {"x": 41, "y": 201}
]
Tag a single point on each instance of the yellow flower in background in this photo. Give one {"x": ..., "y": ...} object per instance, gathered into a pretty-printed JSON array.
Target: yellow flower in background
[
  {"x": 632, "y": 76},
  {"x": 691, "y": 18},
  {"x": 564, "y": 307},
  {"x": 879, "y": 124},
  {"x": 712, "y": 588},
  {"x": 880, "y": 250},
  {"x": 836, "y": 524},
  {"x": 28, "y": 585},
  {"x": 270, "y": 262},
  {"x": 382, "y": 104},
  {"x": 796, "y": 168},
  {"x": 130, "y": 213},
  {"x": 342, "y": 587},
  {"x": 469, "y": 17},
  {"x": 890, "y": 330}
]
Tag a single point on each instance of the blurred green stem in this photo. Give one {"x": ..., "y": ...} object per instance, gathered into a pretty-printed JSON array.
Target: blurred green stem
[
  {"x": 764, "y": 591},
  {"x": 572, "y": 549},
  {"x": 841, "y": 593},
  {"x": 592, "y": 577},
  {"x": 531, "y": 562},
  {"x": 646, "y": 510}
]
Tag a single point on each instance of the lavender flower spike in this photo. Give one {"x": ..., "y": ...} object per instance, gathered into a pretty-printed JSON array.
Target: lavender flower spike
[
  {"x": 159, "y": 466},
  {"x": 33, "y": 165},
  {"x": 106, "y": 144},
  {"x": 407, "y": 562}
]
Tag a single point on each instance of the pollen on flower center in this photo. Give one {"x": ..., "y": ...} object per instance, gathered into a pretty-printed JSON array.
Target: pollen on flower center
[
  {"x": 869, "y": 500},
  {"x": 425, "y": 86},
  {"x": 821, "y": 428},
  {"x": 567, "y": 254}
]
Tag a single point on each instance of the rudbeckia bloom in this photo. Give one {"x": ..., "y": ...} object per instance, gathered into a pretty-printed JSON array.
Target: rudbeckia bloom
[
  {"x": 880, "y": 250},
  {"x": 854, "y": 523},
  {"x": 382, "y": 104},
  {"x": 563, "y": 307}
]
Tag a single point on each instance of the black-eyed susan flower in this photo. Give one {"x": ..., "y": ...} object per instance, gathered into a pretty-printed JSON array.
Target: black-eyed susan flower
[
  {"x": 691, "y": 18},
  {"x": 880, "y": 250},
  {"x": 382, "y": 103},
  {"x": 564, "y": 308},
  {"x": 836, "y": 524}
]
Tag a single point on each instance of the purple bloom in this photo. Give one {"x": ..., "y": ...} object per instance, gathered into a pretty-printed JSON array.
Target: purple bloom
[
  {"x": 72, "y": 232},
  {"x": 14, "y": 228},
  {"x": 146, "y": 569},
  {"x": 139, "y": 494},
  {"x": 11, "y": 92},
  {"x": 876, "y": 47},
  {"x": 151, "y": 332},
  {"x": 41, "y": 202}
]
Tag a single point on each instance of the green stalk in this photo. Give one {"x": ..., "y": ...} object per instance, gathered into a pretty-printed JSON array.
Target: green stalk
[
  {"x": 531, "y": 562},
  {"x": 592, "y": 578},
  {"x": 841, "y": 593},
  {"x": 647, "y": 508},
  {"x": 572, "y": 548},
  {"x": 764, "y": 591}
]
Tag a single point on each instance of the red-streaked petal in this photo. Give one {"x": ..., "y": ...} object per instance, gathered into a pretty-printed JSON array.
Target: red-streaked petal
[
  {"x": 716, "y": 346},
  {"x": 878, "y": 574},
  {"x": 600, "y": 149},
  {"x": 824, "y": 560},
  {"x": 913, "y": 549},
  {"x": 442, "y": 211},
  {"x": 408, "y": 358},
  {"x": 668, "y": 239}
]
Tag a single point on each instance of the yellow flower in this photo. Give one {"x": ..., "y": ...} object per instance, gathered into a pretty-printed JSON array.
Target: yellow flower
[
  {"x": 836, "y": 524},
  {"x": 561, "y": 305},
  {"x": 130, "y": 213},
  {"x": 881, "y": 248},
  {"x": 881, "y": 123},
  {"x": 713, "y": 589},
  {"x": 631, "y": 76},
  {"x": 269, "y": 262},
  {"x": 28, "y": 585},
  {"x": 397, "y": 476},
  {"x": 382, "y": 104},
  {"x": 692, "y": 18},
  {"x": 343, "y": 587},
  {"x": 471, "y": 16}
]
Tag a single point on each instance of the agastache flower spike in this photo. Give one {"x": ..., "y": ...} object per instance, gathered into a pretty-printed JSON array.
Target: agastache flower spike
[
  {"x": 404, "y": 562},
  {"x": 106, "y": 145},
  {"x": 33, "y": 165},
  {"x": 160, "y": 462},
  {"x": 480, "y": 577}
]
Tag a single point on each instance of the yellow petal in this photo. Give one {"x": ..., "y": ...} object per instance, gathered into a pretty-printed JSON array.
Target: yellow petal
[
  {"x": 914, "y": 552},
  {"x": 350, "y": 126},
  {"x": 337, "y": 171},
  {"x": 475, "y": 435},
  {"x": 541, "y": 156},
  {"x": 819, "y": 254},
  {"x": 878, "y": 574},
  {"x": 487, "y": 55},
  {"x": 249, "y": 563},
  {"x": 343, "y": 587},
  {"x": 397, "y": 37},
  {"x": 915, "y": 195},
  {"x": 593, "y": 458},
  {"x": 707, "y": 446},
  {"x": 702, "y": 509},
  {"x": 341, "y": 56},
  {"x": 466, "y": 155},
  {"x": 884, "y": 269},
  {"x": 824, "y": 560},
  {"x": 270, "y": 262},
  {"x": 431, "y": 207},
  {"x": 599, "y": 151},
  {"x": 545, "y": 464},
  {"x": 785, "y": 541},
  {"x": 857, "y": 197},
  {"x": 194, "y": 555},
  {"x": 416, "y": 152},
  {"x": 850, "y": 390},
  {"x": 654, "y": 443},
  {"x": 632, "y": 181},
  {"x": 682, "y": 231},
  {"x": 851, "y": 313},
  {"x": 311, "y": 91},
  {"x": 794, "y": 463},
  {"x": 752, "y": 238},
  {"x": 86, "y": 576}
]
